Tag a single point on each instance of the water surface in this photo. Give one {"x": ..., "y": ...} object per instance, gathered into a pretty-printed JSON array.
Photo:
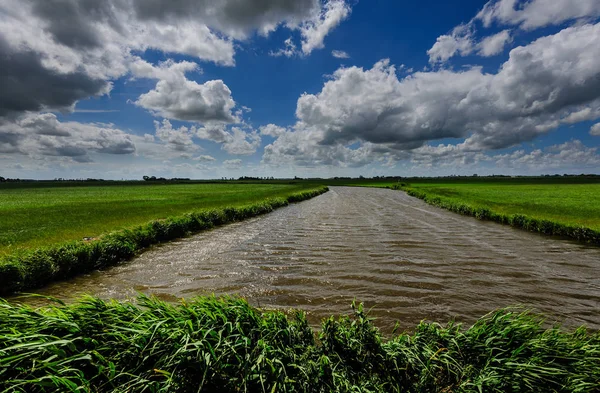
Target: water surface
[{"x": 406, "y": 260}]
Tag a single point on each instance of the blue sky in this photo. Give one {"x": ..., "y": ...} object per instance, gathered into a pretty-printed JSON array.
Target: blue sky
[{"x": 283, "y": 88}]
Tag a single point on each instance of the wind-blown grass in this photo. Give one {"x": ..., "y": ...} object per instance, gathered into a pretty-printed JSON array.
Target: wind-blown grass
[
  {"x": 225, "y": 345},
  {"x": 566, "y": 210},
  {"x": 41, "y": 214},
  {"x": 34, "y": 268}
]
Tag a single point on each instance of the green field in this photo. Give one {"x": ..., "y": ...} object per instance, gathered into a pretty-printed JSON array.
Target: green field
[
  {"x": 55, "y": 231},
  {"x": 41, "y": 214},
  {"x": 566, "y": 203}
]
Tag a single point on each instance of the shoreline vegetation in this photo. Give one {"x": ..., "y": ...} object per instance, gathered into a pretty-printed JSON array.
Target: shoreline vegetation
[
  {"x": 33, "y": 268},
  {"x": 544, "y": 226},
  {"x": 210, "y": 344}
]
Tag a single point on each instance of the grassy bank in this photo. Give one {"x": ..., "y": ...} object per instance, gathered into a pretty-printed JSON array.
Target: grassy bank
[
  {"x": 40, "y": 214},
  {"x": 562, "y": 209},
  {"x": 34, "y": 267},
  {"x": 224, "y": 345}
]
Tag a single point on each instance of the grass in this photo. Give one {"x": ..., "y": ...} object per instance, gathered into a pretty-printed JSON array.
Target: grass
[
  {"x": 566, "y": 207},
  {"x": 568, "y": 204},
  {"x": 224, "y": 345},
  {"x": 37, "y": 215},
  {"x": 214, "y": 205}
]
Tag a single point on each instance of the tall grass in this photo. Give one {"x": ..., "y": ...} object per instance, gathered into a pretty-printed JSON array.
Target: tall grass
[
  {"x": 31, "y": 269},
  {"x": 521, "y": 221},
  {"x": 224, "y": 345}
]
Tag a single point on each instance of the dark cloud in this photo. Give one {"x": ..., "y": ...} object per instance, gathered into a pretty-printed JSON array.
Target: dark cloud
[
  {"x": 73, "y": 22},
  {"x": 229, "y": 16},
  {"x": 29, "y": 86},
  {"x": 43, "y": 134}
]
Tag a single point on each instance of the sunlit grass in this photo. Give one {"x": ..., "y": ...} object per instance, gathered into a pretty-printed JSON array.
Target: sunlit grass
[
  {"x": 568, "y": 204},
  {"x": 38, "y": 216},
  {"x": 27, "y": 268}
]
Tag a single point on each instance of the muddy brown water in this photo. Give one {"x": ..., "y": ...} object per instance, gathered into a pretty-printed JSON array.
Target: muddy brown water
[{"x": 404, "y": 259}]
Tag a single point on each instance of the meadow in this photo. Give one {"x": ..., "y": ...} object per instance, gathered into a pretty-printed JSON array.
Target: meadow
[
  {"x": 53, "y": 232},
  {"x": 561, "y": 207},
  {"x": 225, "y": 345},
  {"x": 40, "y": 214}
]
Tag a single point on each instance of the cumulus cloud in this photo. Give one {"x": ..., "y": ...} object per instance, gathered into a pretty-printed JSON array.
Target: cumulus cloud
[
  {"x": 177, "y": 139},
  {"x": 459, "y": 41},
  {"x": 44, "y": 135},
  {"x": 494, "y": 44},
  {"x": 182, "y": 99},
  {"x": 56, "y": 52},
  {"x": 235, "y": 18},
  {"x": 234, "y": 141},
  {"x": 535, "y": 14},
  {"x": 232, "y": 164},
  {"x": 361, "y": 113},
  {"x": 272, "y": 130},
  {"x": 315, "y": 28},
  {"x": 572, "y": 154},
  {"x": 289, "y": 49},
  {"x": 595, "y": 129},
  {"x": 204, "y": 158},
  {"x": 340, "y": 54},
  {"x": 526, "y": 15},
  {"x": 28, "y": 84}
]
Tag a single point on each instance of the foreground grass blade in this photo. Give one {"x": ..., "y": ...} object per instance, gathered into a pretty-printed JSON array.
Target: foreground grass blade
[{"x": 223, "y": 344}]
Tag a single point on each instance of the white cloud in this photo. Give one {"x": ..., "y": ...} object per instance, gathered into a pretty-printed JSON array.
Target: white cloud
[
  {"x": 179, "y": 139},
  {"x": 494, "y": 44},
  {"x": 315, "y": 28},
  {"x": 204, "y": 158},
  {"x": 360, "y": 115},
  {"x": 232, "y": 164},
  {"x": 54, "y": 53},
  {"x": 272, "y": 130},
  {"x": 234, "y": 141},
  {"x": 340, "y": 54},
  {"x": 595, "y": 129},
  {"x": 572, "y": 154},
  {"x": 242, "y": 143},
  {"x": 537, "y": 13},
  {"x": 460, "y": 41},
  {"x": 591, "y": 112},
  {"x": 289, "y": 49},
  {"x": 314, "y": 31},
  {"x": 527, "y": 15},
  {"x": 176, "y": 97}
]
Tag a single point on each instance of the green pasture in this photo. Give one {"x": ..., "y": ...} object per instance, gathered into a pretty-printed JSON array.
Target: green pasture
[
  {"x": 566, "y": 203},
  {"x": 34, "y": 215}
]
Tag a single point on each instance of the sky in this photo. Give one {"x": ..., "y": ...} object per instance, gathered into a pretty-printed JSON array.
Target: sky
[{"x": 206, "y": 89}]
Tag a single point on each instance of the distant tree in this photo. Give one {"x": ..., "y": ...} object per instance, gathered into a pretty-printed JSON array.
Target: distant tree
[
  {"x": 146, "y": 178},
  {"x": 2, "y": 180}
]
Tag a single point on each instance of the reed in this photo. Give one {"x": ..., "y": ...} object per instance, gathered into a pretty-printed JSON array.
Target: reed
[{"x": 213, "y": 344}]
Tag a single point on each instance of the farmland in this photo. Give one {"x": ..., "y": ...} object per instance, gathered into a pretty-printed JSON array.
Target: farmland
[
  {"x": 568, "y": 204},
  {"x": 56, "y": 232},
  {"x": 563, "y": 207},
  {"x": 226, "y": 344},
  {"x": 41, "y": 214}
]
